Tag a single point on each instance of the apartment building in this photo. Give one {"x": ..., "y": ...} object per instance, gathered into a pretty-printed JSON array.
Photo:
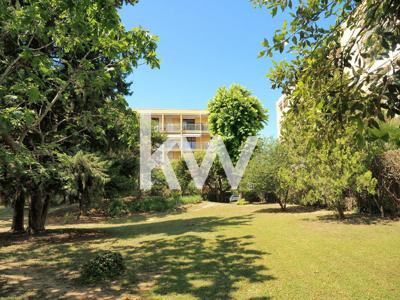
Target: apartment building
[{"x": 179, "y": 123}]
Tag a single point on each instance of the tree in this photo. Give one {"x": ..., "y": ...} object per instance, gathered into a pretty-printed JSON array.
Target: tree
[
  {"x": 86, "y": 176},
  {"x": 319, "y": 26},
  {"x": 262, "y": 174},
  {"x": 234, "y": 114},
  {"x": 183, "y": 175},
  {"x": 326, "y": 158},
  {"x": 335, "y": 97},
  {"x": 64, "y": 64}
]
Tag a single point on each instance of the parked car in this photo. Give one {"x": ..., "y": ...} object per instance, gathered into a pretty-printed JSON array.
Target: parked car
[{"x": 234, "y": 198}]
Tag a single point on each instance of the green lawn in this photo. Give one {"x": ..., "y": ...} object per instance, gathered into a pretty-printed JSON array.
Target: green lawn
[{"x": 211, "y": 251}]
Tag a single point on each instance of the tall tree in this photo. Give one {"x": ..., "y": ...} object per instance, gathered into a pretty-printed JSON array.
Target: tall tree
[
  {"x": 352, "y": 35},
  {"x": 235, "y": 114},
  {"x": 63, "y": 63}
]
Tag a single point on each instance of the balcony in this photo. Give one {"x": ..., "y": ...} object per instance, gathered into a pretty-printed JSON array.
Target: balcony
[
  {"x": 172, "y": 127},
  {"x": 195, "y": 127},
  {"x": 190, "y": 146}
]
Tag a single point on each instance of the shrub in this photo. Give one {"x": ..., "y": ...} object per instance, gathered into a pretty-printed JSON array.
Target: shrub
[
  {"x": 191, "y": 199},
  {"x": 386, "y": 169},
  {"x": 160, "y": 186},
  {"x": 251, "y": 196},
  {"x": 117, "y": 208},
  {"x": 69, "y": 218},
  {"x": 242, "y": 201},
  {"x": 103, "y": 266},
  {"x": 153, "y": 203}
]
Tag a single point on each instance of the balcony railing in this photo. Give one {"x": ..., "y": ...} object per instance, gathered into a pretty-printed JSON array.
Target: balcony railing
[
  {"x": 195, "y": 127},
  {"x": 185, "y": 127},
  {"x": 176, "y": 145},
  {"x": 172, "y": 127}
]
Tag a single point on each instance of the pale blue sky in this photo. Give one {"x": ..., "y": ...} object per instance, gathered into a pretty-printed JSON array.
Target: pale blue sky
[{"x": 203, "y": 45}]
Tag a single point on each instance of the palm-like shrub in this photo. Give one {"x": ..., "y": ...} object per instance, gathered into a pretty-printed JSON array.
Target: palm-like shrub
[{"x": 86, "y": 175}]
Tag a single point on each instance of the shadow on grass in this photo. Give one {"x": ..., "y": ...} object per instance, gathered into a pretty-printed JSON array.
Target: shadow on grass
[
  {"x": 176, "y": 227},
  {"x": 47, "y": 266},
  {"x": 143, "y": 216},
  {"x": 354, "y": 219},
  {"x": 53, "y": 236},
  {"x": 191, "y": 265},
  {"x": 291, "y": 209}
]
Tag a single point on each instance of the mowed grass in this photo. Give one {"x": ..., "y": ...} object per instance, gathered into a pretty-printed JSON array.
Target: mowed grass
[{"x": 211, "y": 251}]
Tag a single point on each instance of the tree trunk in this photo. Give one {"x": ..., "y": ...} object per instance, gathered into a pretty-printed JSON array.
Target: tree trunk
[
  {"x": 379, "y": 204},
  {"x": 283, "y": 203},
  {"x": 38, "y": 209},
  {"x": 18, "y": 214},
  {"x": 340, "y": 210},
  {"x": 84, "y": 204}
]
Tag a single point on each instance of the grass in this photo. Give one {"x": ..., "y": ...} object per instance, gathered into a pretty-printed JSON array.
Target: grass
[
  {"x": 211, "y": 251},
  {"x": 191, "y": 199}
]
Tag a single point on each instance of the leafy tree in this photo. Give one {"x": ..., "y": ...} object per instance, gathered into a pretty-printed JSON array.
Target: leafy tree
[
  {"x": 326, "y": 159},
  {"x": 334, "y": 95},
  {"x": 234, "y": 114},
  {"x": 64, "y": 66},
  {"x": 183, "y": 175},
  {"x": 315, "y": 31},
  {"x": 263, "y": 173},
  {"x": 86, "y": 175}
]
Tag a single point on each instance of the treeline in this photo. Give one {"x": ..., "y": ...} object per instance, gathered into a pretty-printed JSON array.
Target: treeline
[{"x": 340, "y": 130}]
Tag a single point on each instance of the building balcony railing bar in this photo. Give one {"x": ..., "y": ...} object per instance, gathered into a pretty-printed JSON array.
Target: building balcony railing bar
[
  {"x": 172, "y": 127},
  {"x": 190, "y": 146},
  {"x": 195, "y": 127},
  {"x": 185, "y": 127}
]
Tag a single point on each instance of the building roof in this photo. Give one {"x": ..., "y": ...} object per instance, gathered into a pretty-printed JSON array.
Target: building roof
[{"x": 172, "y": 111}]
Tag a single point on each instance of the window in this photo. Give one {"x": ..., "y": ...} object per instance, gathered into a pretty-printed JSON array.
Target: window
[{"x": 192, "y": 142}]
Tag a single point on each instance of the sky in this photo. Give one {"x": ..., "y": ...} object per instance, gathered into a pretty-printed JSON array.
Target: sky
[{"x": 203, "y": 45}]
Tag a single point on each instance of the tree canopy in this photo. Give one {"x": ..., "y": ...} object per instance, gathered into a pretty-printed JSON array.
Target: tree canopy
[
  {"x": 62, "y": 86},
  {"x": 235, "y": 114}
]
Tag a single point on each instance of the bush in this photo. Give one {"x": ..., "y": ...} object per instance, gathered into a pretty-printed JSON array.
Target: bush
[
  {"x": 153, "y": 203},
  {"x": 242, "y": 201},
  {"x": 191, "y": 199},
  {"x": 386, "y": 169},
  {"x": 117, "y": 208},
  {"x": 160, "y": 186},
  {"x": 251, "y": 196},
  {"x": 103, "y": 266}
]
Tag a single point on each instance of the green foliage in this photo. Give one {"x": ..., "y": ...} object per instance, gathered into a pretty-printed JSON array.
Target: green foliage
[
  {"x": 386, "y": 170},
  {"x": 117, "y": 208},
  {"x": 105, "y": 265},
  {"x": 191, "y": 199},
  {"x": 86, "y": 176},
  {"x": 217, "y": 186},
  {"x": 242, "y": 201},
  {"x": 153, "y": 204},
  {"x": 160, "y": 186},
  {"x": 266, "y": 174},
  {"x": 324, "y": 157},
  {"x": 235, "y": 114},
  {"x": 183, "y": 175},
  {"x": 62, "y": 86},
  {"x": 313, "y": 35}
]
